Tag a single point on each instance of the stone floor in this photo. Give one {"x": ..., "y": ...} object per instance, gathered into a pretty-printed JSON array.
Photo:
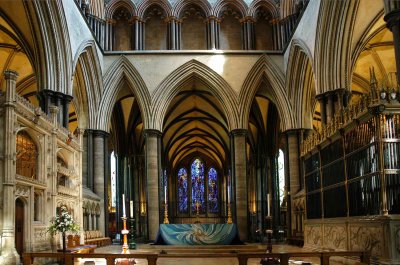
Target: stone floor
[{"x": 142, "y": 248}]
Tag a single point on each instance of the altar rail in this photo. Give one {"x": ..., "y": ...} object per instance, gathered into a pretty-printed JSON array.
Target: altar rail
[{"x": 241, "y": 256}]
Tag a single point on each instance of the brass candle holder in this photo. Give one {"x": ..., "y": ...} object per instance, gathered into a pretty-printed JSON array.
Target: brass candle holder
[
  {"x": 166, "y": 221},
  {"x": 125, "y": 232},
  {"x": 229, "y": 221}
]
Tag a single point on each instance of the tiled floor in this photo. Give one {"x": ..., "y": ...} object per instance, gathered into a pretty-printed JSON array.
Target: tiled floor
[{"x": 142, "y": 248}]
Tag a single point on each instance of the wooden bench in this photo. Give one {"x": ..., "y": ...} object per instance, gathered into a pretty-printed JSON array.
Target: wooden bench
[{"x": 95, "y": 238}]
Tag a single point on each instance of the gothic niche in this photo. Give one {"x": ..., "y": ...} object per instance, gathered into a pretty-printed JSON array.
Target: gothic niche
[
  {"x": 156, "y": 29},
  {"x": 193, "y": 29},
  {"x": 27, "y": 156},
  {"x": 231, "y": 32},
  {"x": 264, "y": 39},
  {"x": 122, "y": 30}
]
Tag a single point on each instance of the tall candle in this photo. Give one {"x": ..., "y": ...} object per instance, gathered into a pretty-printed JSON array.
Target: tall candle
[
  {"x": 268, "y": 205},
  {"x": 123, "y": 205},
  {"x": 229, "y": 193},
  {"x": 131, "y": 212},
  {"x": 165, "y": 193},
  {"x": 229, "y": 189}
]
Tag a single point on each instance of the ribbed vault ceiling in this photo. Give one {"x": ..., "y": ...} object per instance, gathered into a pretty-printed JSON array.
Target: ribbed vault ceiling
[
  {"x": 379, "y": 54},
  {"x": 195, "y": 125},
  {"x": 12, "y": 56}
]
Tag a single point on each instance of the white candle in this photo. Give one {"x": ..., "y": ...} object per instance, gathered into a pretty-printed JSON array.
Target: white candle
[
  {"x": 229, "y": 193},
  {"x": 131, "y": 208},
  {"x": 268, "y": 204},
  {"x": 165, "y": 193},
  {"x": 123, "y": 205}
]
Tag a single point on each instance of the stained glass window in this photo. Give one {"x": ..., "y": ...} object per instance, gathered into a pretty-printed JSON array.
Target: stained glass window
[
  {"x": 212, "y": 191},
  {"x": 197, "y": 178},
  {"x": 182, "y": 191},
  {"x": 281, "y": 170}
]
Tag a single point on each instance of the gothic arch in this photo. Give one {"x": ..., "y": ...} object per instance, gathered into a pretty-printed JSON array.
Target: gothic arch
[
  {"x": 172, "y": 84},
  {"x": 87, "y": 99},
  {"x": 268, "y": 4},
  {"x": 112, "y": 6},
  {"x": 163, "y": 4},
  {"x": 240, "y": 5},
  {"x": 300, "y": 83},
  {"x": 54, "y": 50},
  {"x": 265, "y": 69},
  {"x": 333, "y": 47},
  {"x": 119, "y": 71},
  {"x": 181, "y": 5}
]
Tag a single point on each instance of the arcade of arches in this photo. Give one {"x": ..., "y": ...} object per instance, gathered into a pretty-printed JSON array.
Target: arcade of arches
[{"x": 247, "y": 109}]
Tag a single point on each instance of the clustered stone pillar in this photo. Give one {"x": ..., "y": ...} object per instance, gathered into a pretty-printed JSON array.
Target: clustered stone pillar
[
  {"x": 99, "y": 172},
  {"x": 174, "y": 30},
  {"x": 9, "y": 253},
  {"x": 293, "y": 156},
  {"x": 238, "y": 137},
  {"x": 138, "y": 34},
  {"x": 248, "y": 33},
  {"x": 48, "y": 98},
  {"x": 152, "y": 162},
  {"x": 392, "y": 18},
  {"x": 331, "y": 102},
  {"x": 212, "y": 33}
]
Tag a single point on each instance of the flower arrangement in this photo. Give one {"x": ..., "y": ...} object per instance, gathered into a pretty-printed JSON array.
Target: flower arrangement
[{"x": 62, "y": 223}]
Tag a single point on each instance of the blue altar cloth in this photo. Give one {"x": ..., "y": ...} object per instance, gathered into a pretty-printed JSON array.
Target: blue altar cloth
[{"x": 198, "y": 234}]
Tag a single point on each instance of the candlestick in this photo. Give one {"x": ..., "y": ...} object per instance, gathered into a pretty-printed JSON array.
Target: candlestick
[
  {"x": 131, "y": 209},
  {"x": 123, "y": 205},
  {"x": 269, "y": 213},
  {"x": 166, "y": 221}
]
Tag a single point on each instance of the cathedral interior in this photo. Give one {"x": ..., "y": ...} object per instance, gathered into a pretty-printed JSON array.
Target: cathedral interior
[{"x": 270, "y": 115}]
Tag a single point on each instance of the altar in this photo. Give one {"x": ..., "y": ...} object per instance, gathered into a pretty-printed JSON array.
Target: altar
[{"x": 198, "y": 234}]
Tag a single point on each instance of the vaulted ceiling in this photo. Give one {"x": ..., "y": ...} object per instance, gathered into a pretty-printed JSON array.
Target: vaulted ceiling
[{"x": 195, "y": 125}]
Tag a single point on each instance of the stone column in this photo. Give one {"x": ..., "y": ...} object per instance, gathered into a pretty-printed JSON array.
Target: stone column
[
  {"x": 46, "y": 98},
  {"x": 65, "y": 113},
  {"x": 239, "y": 173},
  {"x": 248, "y": 33},
  {"x": 293, "y": 156},
  {"x": 9, "y": 254},
  {"x": 212, "y": 33},
  {"x": 330, "y": 107},
  {"x": 322, "y": 106},
  {"x": 99, "y": 170},
  {"x": 172, "y": 32},
  {"x": 136, "y": 33},
  {"x": 392, "y": 18},
  {"x": 152, "y": 175}
]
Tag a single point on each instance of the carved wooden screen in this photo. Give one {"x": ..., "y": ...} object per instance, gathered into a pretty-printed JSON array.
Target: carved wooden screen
[{"x": 27, "y": 155}]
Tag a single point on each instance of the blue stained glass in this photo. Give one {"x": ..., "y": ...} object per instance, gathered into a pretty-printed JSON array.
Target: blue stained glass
[
  {"x": 197, "y": 172},
  {"x": 182, "y": 191},
  {"x": 212, "y": 190}
]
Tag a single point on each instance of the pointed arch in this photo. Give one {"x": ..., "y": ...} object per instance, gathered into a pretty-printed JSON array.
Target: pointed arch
[
  {"x": 122, "y": 69},
  {"x": 333, "y": 46},
  {"x": 87, "y": 99},
  {"x": 172, "y": 84},
  {"x": 113, "y": 5},
  {"x": 265, "y": 69},
  {"x": 240, "y": 5},
  {"x": 54, "y": 47},
  {"x": 300, "y": 83},
  {"x": 181, "y": 5},
  {"x": 163, "y": 4},
  {"x": 268, "y": 4}
]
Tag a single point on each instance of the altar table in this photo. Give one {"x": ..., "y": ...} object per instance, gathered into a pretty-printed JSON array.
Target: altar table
[{"x": 198, "y": 234}]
